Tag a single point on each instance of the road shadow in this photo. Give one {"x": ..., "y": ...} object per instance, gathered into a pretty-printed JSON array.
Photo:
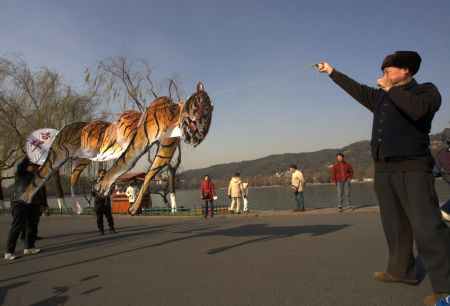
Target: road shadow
[
  {"x": 272, "y": 232},
  {"x": 263, "y": 232},
  {"x": 60, "y": 294},
  {"x": 98, "y": 241},
  {"x": 258, "y": 233},
  {"x": 4, "y": 290},
  {"x": 91, "y": 232},
  {"x": 59, "y": 297}
]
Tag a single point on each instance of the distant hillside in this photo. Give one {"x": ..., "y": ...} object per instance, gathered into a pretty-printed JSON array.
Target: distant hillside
[
  {"x": 270, "y": 170},
  {"x": 264, "y": 171}
]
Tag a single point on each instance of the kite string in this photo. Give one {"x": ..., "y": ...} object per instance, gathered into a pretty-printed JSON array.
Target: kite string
[
  {"x": 252, "y": 83},
  {"x": 246, "y": 85},
  {"x": 247, "y": 104}
]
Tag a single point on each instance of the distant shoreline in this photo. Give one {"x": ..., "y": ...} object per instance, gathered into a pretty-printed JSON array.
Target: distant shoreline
[{"x": 284, "y": 186}]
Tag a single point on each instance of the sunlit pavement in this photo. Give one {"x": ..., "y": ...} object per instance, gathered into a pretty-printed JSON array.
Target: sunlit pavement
[{"x": 257, "y": 258}]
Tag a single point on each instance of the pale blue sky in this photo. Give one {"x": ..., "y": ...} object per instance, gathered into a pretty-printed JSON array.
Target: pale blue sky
[{"x": 288, "y": 107}]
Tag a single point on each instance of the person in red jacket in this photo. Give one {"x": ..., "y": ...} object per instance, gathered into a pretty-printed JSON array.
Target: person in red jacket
[
  {"x": 208, "y": 194},
  {"x": 341, "y": 175}
]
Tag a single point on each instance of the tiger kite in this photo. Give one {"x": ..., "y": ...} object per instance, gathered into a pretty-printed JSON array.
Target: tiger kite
[{"x": 126, "y": 139}]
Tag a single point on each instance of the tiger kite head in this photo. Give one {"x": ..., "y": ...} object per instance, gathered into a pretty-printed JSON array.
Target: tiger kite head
[{"x": 196, "y": 116}]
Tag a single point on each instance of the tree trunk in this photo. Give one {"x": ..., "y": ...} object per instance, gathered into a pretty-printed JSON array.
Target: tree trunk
[
  {"x": 59, "y": 191},
  {"x": 171, "y": 184}
]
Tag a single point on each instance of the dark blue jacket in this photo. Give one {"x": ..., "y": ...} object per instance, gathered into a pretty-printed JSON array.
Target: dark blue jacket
[{"x": 402, "y": 116}]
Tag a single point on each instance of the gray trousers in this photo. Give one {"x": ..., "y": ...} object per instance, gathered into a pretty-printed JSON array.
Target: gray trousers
[{"x": 410, "y": 211}]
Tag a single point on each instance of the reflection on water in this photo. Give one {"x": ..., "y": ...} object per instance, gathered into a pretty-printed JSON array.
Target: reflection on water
[{"x": 281, "y": 198}]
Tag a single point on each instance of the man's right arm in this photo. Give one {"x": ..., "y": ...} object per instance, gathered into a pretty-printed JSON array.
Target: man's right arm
[{"x": 364, "y": 94}]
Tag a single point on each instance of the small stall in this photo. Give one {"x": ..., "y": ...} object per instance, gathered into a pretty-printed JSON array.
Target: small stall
[{"x": 120, "y": 203}]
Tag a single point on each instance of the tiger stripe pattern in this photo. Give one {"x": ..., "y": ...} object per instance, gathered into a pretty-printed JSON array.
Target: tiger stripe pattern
[{"x": 126, "y": 139}]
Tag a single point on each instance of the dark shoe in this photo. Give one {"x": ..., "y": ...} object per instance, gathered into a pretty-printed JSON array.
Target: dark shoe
[
  {"x": 101, "y": 231},
  {"x": 296, "y": 210},
  {"x": 301, "y": 210},
  {"x": 238, "y": 212},
  {"x": 340, "y": 209},
  {"x": 432, "y": 299},
  {"x": 389, "y": 278},
  {"x": 39, "y": 238}
]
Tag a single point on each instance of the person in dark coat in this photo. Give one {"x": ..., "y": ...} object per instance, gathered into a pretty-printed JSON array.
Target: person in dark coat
[
  {"x": 102, "y": 206},
  {"x": 403, "y": 181},
  {"x": 24, "y": 214},
  {"x": 207, "y": 193}
]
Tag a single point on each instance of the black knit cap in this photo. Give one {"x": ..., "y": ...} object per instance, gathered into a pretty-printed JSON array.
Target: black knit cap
[{"x": 403, "y": 59}]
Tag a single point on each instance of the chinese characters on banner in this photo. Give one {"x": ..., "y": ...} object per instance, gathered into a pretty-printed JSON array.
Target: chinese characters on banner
[{"x": 38, "y": 144}]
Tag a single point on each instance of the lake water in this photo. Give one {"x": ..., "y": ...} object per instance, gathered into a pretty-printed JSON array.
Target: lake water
[{"x": 281, "y": 198}]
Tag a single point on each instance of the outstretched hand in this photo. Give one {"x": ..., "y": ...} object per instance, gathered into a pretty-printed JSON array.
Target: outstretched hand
[{"x": 324, "y": 67}]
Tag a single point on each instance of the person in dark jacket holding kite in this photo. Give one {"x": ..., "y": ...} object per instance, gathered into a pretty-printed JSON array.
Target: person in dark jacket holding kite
[
  {"x": 24, "y": 214},
  {"x": 403, "y": 181}
]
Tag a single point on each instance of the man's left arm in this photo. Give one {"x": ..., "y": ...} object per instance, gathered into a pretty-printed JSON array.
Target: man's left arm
[{"x": 416, "y": 105}]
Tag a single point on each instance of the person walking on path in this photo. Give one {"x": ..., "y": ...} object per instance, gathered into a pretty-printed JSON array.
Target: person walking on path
[
  {"x": 132, "y": 192},
  {"x": 341, "y": 174},
  {"x": 102, "y": 206},
  {"x": 245, "y": 195},
  {"x": 207, "y": 193},
  {"x": 297, "y": 184},
  {"x": 235, "y": 191},
  {"x": 24, "y": 214},
  {"x": 403, "y": 181}
]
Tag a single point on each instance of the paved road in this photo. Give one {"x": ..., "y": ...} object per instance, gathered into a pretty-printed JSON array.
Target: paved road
[{"x": 254, "y": 259}]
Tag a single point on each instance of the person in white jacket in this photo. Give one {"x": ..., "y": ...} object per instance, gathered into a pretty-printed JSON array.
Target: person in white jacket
[
  {"x": 235, "y": 191},
  {"x": 132, "y": 192},
  {"x": 298, "y": 182}
]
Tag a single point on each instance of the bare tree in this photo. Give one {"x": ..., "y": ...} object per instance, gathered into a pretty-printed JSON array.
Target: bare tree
[
  {"x": 30, "y": 100},
  {"x": 124, "y": 82}
]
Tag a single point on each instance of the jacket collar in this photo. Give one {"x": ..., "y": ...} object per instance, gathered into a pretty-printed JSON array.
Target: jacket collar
[{"x": 408, "y": 85}]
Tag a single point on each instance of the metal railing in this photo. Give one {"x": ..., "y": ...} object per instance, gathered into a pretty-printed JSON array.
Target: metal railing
[
  {"x": 152, "y": 211},
  {"x": 188, "y": 211}
]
